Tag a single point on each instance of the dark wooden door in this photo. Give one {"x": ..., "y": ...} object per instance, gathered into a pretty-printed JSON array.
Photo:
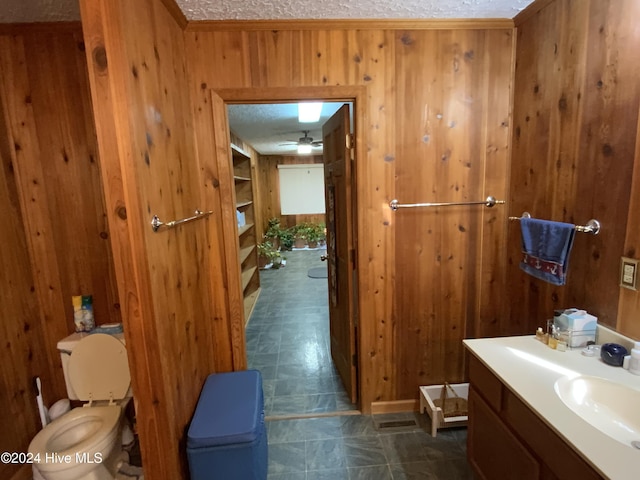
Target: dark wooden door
[{"x": 337, "y": 152}]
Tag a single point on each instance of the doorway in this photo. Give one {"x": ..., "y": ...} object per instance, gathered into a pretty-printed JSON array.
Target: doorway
[{"x": 290, "y": 335}]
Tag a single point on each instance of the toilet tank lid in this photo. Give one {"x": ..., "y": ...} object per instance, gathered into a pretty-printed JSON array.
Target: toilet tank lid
[
  {"x": 98, "y": 368},
  {"x": 67, "y": 344}
]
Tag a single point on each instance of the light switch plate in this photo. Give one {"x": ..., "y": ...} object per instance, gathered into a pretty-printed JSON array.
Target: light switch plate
[{"x": 628, "y": 273}]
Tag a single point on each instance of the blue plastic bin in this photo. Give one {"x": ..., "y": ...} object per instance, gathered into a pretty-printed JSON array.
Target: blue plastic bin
[{"x": 227, "y": 438}]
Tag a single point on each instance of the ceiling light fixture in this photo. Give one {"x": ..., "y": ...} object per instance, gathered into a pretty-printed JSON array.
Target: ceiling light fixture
[
  {"x": 309, "y": 112},
  {"x": 304, "y": 149}
]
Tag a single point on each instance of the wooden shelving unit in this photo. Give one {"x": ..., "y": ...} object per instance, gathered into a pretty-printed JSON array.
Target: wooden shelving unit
[
  {"x": 245, "y": 252},
  {"x": 245, "y": 228},
  {"x": 247, "y": 235}
]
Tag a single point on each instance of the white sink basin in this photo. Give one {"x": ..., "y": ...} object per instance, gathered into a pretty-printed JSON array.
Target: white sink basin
[{"x": 608, "y": 406}]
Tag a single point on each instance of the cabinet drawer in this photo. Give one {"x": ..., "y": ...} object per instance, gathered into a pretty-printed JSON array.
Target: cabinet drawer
[
  {"x": 484, "y": 381},
  {"x": 552, "y": 450},
  {"x": 493, "y": 451}
]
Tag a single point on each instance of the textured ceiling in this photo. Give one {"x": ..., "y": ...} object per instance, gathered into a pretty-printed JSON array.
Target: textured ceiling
[
  {"x": 307, "y": 9},
  {"x": 25, "y": 11},
  {"x": 267, "y": 127},
  {"x": 29, "y": 11}
]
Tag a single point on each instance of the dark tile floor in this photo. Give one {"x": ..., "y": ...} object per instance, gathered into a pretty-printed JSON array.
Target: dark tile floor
[
  {"x": 314, "y": 431},
  {"x": 288, "y": 340},
  {"x": 355, "y": 447}
]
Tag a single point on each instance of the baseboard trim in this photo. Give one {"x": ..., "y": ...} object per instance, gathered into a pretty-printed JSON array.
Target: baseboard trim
[{"x": 397, "y": 406}]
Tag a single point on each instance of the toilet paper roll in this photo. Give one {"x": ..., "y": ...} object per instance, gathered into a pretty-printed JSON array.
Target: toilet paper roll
[{"x": 59, "y": 408}]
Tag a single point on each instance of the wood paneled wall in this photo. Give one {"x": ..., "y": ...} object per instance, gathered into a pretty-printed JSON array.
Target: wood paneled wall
[
  {"x": 55, "y": 238},
  {"x": 171, "y": 283},
  {"x": 575, "y": 133},
  {"x": 23, "y": 355},
  {"x": 437, "y": 129},
  {"x": 268, "y": 183}
]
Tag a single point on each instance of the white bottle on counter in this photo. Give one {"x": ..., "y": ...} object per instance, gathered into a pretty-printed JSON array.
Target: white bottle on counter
[{"x": 634, "y": 362}]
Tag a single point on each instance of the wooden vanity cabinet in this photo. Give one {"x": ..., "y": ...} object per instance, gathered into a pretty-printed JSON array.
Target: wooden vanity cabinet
[{"x": 507, "y": 440}]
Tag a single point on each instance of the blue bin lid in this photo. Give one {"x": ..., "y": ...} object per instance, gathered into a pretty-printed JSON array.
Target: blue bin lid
[{"x": 229, "y": 410}]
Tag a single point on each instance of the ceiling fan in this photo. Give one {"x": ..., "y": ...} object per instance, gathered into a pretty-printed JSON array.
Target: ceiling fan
[{"x": 306, "y": 140}]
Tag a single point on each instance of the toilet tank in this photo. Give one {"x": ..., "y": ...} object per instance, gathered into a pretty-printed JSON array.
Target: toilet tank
[{"x": 66, "y": 346}]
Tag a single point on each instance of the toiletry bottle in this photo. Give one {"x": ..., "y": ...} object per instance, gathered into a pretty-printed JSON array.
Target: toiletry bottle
[
  {"x": 553, "y": 338},
  {"x": 634, "y": 362},
  {"x": 76, "y": 301},
  {"x": 561, "y": 345},
  {"x": 542, "y": 336},
  {"x": 87, "y": 313}
]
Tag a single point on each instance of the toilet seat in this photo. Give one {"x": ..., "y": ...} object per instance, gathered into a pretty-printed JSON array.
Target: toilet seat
[
  {"x": 87, "y": 431},
  {"x": 77, "y": 430},
  {"x": 99, "y": 369}
]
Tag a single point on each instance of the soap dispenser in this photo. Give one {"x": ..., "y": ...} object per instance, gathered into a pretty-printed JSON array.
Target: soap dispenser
[{"x": 634, "y": 362}]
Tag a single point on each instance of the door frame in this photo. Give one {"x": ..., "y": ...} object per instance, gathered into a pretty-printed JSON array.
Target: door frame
[{"x": 357, "y": 96}]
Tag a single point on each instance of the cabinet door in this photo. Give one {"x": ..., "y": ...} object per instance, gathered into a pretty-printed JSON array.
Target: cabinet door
[
  {"x": 548, "y": 446},
  {"x": 485, "y": 383},
  {"x": 493, "y": 451}
]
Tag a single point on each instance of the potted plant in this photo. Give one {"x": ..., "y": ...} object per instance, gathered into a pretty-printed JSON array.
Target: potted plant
[
  {"x": 286, "y": 238},
  {"x": 266, "y": 254},
  {"x": 314, "y": 233},
  {"x": 299, "y": 235},
  {"x": 273, "y": 232},
  {"x": 278, "y": 261}
]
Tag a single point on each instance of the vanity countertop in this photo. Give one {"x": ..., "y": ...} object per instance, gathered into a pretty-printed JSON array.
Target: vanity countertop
[{"x": 530, "y": 369}]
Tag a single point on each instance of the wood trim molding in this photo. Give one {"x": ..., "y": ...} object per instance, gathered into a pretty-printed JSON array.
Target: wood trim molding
[
  {"x": 283, "y": 94},
  {"x": 175, "y": 11},
  {"x": 530, "y": 11},
  {"x": 351, "y": 24},
  {"x": 42, "y": 27},
  {"x": 397, "y": 406},
  {"x": 358, "y": 95}
]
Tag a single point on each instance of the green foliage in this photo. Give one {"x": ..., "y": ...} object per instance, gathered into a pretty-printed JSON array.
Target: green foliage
[
  {"x": 265, "y": 249},
  {"x": 273, "y": 228},
  {"x": 315, "y": 232},
  {"x": 286, "y": 239},
  {"x": 299, "y": 230},
  {"x": 311, "y": 232},
  {"x": 286, "y": 236}
]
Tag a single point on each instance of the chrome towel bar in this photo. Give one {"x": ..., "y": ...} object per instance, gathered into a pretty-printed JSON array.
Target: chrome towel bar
[
  {"x": 592, "y": 226},
  {"x": 489, "y": 202},
  {"x": 156, "y": 224}
]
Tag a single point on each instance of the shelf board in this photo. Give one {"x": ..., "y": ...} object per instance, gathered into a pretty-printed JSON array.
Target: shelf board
[
  {"x": 245, "y": 252},
  {"x": 243, "y": 204},
  {"x": 236, "y": 149},
  {"x": 247, "y": 275},
  {"x": 239, "y": 178},
  {"x": 245, "y": 229},
  {"x": 250, "y": 302}
]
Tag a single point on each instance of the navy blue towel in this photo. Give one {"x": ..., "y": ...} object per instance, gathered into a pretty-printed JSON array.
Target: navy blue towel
[{"x": 546, "y": 247}]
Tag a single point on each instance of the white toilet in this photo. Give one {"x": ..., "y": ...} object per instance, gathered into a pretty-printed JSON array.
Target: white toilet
[{"x": 85, "y": 443}]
